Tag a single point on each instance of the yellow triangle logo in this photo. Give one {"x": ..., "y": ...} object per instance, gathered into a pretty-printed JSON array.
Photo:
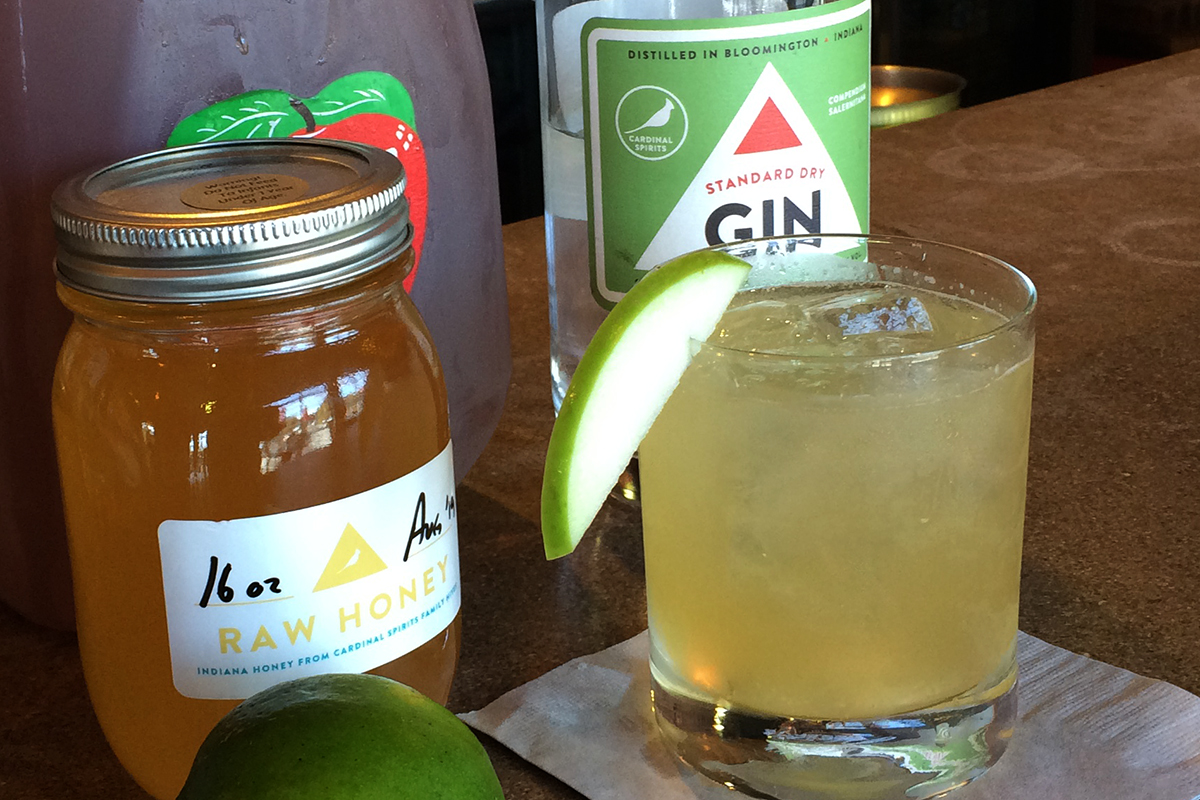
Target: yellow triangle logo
[{"x": 352, "y": 559}]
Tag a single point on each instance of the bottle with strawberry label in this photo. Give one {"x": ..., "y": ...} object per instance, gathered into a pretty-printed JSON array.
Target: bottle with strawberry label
[{"x": 85, "y": 84}]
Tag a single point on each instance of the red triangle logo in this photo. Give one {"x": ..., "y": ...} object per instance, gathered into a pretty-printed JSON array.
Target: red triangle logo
[{"x": 769, "y": 132}]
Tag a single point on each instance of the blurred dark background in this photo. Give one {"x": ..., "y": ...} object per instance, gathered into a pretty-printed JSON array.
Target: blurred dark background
[{"x": 1002, "y": 48}]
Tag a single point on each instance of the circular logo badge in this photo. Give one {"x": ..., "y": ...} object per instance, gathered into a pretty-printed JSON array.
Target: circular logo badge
[{"x": 651, "y": 123}]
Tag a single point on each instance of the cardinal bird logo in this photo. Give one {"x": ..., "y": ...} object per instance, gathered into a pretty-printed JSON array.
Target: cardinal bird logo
[
  {"x": 651, "y": 122},
  {"x": 658, "y": 119}
]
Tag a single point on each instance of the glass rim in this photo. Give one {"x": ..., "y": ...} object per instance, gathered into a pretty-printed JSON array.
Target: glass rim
[{"x": 1011, "y": 321}]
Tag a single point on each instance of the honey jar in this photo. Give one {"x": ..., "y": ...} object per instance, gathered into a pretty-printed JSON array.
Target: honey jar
[{"x": 253, "y": 437}]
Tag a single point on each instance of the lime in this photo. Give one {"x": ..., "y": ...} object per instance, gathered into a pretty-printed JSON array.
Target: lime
[
  {"x": 341, "y": 737},
  {"x": 626, "y": 374}
]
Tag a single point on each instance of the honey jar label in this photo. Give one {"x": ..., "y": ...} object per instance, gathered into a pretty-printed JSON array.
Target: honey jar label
[{"x": 346, "y": 586}]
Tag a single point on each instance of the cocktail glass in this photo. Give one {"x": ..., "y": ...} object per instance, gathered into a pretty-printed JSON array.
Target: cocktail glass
[{"x": 833, "y": 502}]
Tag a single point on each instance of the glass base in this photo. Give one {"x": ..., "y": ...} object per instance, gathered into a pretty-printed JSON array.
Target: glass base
[{"x": 907, "y": 757}]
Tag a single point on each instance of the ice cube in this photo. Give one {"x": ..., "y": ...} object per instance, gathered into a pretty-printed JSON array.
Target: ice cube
[
  {"x": 827, "y": 321},
  {"x": 904, "y": 316}
]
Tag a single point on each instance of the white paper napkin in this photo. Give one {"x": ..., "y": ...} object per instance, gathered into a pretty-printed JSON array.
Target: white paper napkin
[{"x": 1088, "y": 731}]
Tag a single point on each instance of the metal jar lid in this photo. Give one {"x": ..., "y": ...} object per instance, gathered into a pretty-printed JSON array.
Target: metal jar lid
[{"x": 231, "y": 221}]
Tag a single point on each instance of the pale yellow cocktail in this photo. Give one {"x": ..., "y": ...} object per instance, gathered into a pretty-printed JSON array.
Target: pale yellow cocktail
[{"x": 833, "y": 501}]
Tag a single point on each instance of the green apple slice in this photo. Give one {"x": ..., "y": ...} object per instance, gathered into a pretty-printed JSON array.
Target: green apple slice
[{"x": 626, "y": 374}]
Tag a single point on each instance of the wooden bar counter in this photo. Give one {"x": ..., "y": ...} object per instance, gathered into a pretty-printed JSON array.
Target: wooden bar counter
[{"x": 1093, "y": 189}]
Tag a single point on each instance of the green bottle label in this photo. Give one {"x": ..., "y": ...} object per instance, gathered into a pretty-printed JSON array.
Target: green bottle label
[{"x": 699, "y": 132}]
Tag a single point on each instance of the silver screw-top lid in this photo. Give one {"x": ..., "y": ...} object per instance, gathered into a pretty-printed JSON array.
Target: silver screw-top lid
[{"x": 231, "y": 221}]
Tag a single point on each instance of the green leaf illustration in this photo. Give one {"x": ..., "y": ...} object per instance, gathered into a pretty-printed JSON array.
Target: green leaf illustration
[
  {"x": 261, "y": 114},
  {"x": 361, "y": 93}
]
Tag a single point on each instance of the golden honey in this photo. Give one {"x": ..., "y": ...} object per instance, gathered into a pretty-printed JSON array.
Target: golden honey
[{"x": 219, "y": 451}]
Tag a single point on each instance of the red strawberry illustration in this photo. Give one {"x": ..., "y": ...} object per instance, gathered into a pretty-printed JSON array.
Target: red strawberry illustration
[
  {"x": 402, "y": 141},
  {"x": 368, "y": 107}
]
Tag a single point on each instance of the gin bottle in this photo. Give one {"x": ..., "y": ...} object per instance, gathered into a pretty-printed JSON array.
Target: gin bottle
[{"x": 670, "y": 125}]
